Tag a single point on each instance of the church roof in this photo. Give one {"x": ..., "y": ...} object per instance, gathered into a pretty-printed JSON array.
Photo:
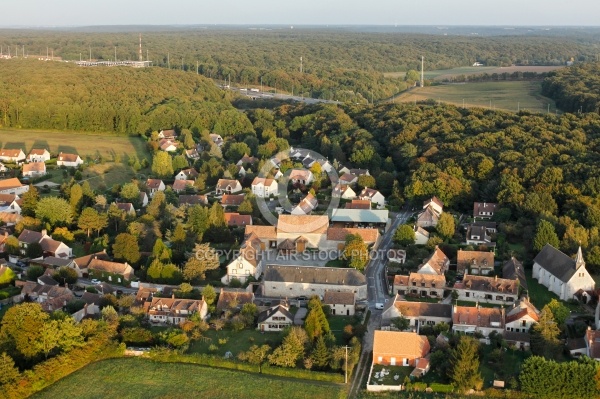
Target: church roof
[{"x": 557, "y": 263}]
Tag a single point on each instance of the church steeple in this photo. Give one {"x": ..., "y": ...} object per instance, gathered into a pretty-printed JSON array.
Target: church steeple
[{"x": 579, "y": 259}]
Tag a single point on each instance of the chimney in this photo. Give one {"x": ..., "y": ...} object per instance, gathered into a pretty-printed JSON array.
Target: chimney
[
  {"x": 44, "y": 232},
  {"x": 173, "y": 295}
]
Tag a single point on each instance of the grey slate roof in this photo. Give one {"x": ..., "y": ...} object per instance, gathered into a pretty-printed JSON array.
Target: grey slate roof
[
  {"x": 556, "y": 263},
  {"x": 314, "y": 275},
  {"x": 360, "y": 215},
  {"x": 512, "y": 270},
  {"x": 264, "y": 315}
]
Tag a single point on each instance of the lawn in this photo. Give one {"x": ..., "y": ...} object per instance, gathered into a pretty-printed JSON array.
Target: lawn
[
  {"x": 400, "y": 371},
  {"x": 337, "y": 324},
  {"x": 509, "y": 366},
  {"x": 511, "y": 96},
  {"x": 142, "y": 378},
  {"x": 236, "y": 341},
  {"x": 540, "y": 295}
]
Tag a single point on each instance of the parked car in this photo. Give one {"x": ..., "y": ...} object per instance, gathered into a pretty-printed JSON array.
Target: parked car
[
  {"x": 379, "y": 305},
  {"x": 96, "y": 281}
]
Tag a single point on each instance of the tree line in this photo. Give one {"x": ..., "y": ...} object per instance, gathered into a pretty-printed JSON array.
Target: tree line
[{"x": 575, "y": 89}]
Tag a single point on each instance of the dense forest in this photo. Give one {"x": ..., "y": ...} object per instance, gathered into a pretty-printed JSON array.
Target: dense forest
[
  {"x": 575, "y": 89},
  {"x": 337, "y": 63},
  {"x": 53, "y": 95}
]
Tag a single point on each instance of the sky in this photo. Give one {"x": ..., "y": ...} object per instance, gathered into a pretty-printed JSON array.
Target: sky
[{"x": 33, "y": 13}]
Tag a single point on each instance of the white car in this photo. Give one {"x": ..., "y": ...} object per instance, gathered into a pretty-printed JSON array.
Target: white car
[
  {"x": 379, "y": 305},
  {"x": 96, "y": 282}
]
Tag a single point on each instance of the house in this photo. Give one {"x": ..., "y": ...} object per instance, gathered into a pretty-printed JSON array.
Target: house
[
  {"x": 50, "y": 297},
  {"x": 13, "y": 186},
  {"x": 435, "y": 204},
  {"x": 168, "y": 145},
  {"x": 513, "y": 270},
  {"x": 418, "y": 313},
  {"x": 264, "y": 188},
  {"x": 420, "y": 285},
  {"x": 15, "y": 155},
  {"x": 421, "y": 235},
  {"x": 306, "y": 206},
  {"x": 234, "y": 219},
  {"x": 34, "y": 169},
  {"x": 126, "y": 207},
  {"x": 249, "y": 262},
  {"x": 358, "y": 204},
  {"x": 519, "y": 320},
  {"x": 217, "y": 139},
  {"x": 155, "y": 185},
  {"x": 396, "y": 255},
  {"x": 143, "y": 198},
  {"x": 474, "y": 262},
  {"x": 186, "y": 174},
  {"x": 232, "y": 200},
  {"x": 192, "y": 153},
  {"x": 9, "y": 219},
  {"x": 398, "y": 348},
  {"x": 347, "y": 179},
  {"x": 428, "y": 218},
  {"x": 561, "y": 274},
  {"x": 144, "y": 294},
  {"x": 340, "y": 303},
  {"x": 266, "y": 235},
  {"x": 182, "y": 185},
  {"x": 344, "y": 192},
  {"x": 437, "y": 263},
  {"x": 468, "y": 320},
  {"x": 233, "y": 299},
  {"x": 361, "y": 218},
  {"x": 55, "y": 248},
  {"x": 193, "y": 200},
  {"x": 28, "y": 237},
  {"x": 292, "y": 281},
  {"x": 372, "y": 195},
  {"x": 301, "y": 176},
  {"x": 276, "y": 318},
  {"x": 91, "y": 307},
  {"x": 9, "y": 203},
  {"x": 226, "y": 186},
  {"x": 167, "y": 134},
  {"x": 241, "y": 171},
  {"x": 53, "y": 262},
  {"x": 3, "y": 168},
  {"x": 38, "y": 155},
  {"x": 489, "y": 226},
  {"x": 478, "y": 235},
  {"x": 592, "y": 344},
  {"x": 355, "y": 172},
  {"x": 68, "y": 160},
  {"x": 80, "y": 265},
  {"x": 484, "y": 210},
  {"x": 246, "y": 160},
  {"x": 487, "y": 289},
  {"x": 174, "y": 310},
  {"x": 326, "y": 166},
  {"x": 305, "y": 231},
  {"x": 46, "y": 279},
  {"x": 110, "y": 270}
]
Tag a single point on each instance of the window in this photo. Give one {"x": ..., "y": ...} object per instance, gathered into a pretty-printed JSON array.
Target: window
[
  {"x": 524, "y": 323},
  {"x": 467, "y": 294},
  {"x": 414, "y": 283}
]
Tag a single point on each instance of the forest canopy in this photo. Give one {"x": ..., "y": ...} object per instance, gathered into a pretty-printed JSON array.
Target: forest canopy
[{"x": 575, "y": 89}]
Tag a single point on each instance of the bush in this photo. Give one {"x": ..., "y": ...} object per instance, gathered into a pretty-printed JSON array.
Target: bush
[
  {"x": 443, "y": 388},
  {"x": 416, "y": 386}
]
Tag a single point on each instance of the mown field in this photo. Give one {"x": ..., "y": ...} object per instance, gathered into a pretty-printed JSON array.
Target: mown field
[
  {"x": 141, "y": 378},
  {"x": 511, "y": 96}
]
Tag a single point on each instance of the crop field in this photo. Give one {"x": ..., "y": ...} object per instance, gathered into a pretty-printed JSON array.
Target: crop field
[
  {"x": 505, "y": 95},
  {"x": 145, "y": 379},
  {"x": 441, "y": 74}
]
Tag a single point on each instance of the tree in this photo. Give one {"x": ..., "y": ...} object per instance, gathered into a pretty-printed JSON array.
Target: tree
[
  {"x": 126, "y": 248},
  {"x": 130, "y": 192},
  {"x": 365, "y": 181},
  {"x": 29, "y": 201},
  {"x": 7, "y": 277},
  {"x": 291, "y": 349},
  {"x": 21, "y": 330},
  {"x": 320, "y": 355},
  {"x": 209, "y": 295},
  {"x": 160, "y": 251},
  {"x": 34, "y": 250},
  {"x": 115, "y": 215},
  {"x": 245, "y": 207},
  {"x": 401, "y": 323},
  {"x": 216, "y": 216},
  {"x": 8, "y": 371},
  {"x": 63, "y": 234},
  {"x": 235, "y": 151},
  {"x": 404, "y": 235},
  {"x": 544, "y": 234},
  {"x": 316, "y": 323},
  {"x": 559, "y": 311},
  {"x": 66, "y": 275},
  {"x": 54, "y": 210},
  {"x": 205, "y": 258},
  {"x": 544, "y": 335},
  {"x": 75, "y": 198},
  {"x": 12, "y": 245},
  {"x": 161, "y": 164},
  {"x": 464, "y": 361},
  {"x": 90, "y": 219},
  {"x": 445, "y": 226},
  {"x": 356, "y": 253},
  {"x": 34, "y": 272},
  {"x": 256, "y": 355}
]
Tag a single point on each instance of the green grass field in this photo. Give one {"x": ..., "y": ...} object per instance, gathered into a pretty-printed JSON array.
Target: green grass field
[
  {"x": 237, "y": 341},
  {"x": 510, "y": 96},
  {"x": 141, "y": 378}
]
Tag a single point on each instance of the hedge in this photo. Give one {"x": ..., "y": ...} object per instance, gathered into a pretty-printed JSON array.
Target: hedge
[
  {"x": 444, "y": 388},
  {"x": 416, "y": 386},
  {"x": 168, "y": 356}
]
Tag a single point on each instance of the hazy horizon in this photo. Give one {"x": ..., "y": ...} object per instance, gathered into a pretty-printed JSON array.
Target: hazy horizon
[{"x": 75, "y": 13}]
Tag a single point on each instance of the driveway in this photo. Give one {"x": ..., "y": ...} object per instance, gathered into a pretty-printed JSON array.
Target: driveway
[{"x": 299, "y": 316}]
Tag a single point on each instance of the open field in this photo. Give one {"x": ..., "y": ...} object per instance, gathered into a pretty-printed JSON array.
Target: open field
[
  {"x": 142, "y": 378},
  {"x": 442, "y": 74},
  {"x": 234, "y": 341},
  {"x": 510, "y": 96},
  {"x": 85, "y": 144}
]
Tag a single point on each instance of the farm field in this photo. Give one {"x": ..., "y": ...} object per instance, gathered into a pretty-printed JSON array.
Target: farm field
[
  {"x": 510, "y": 96},
  {"x": 141, "y": 378},
  {"x": 442, "y": 74}
]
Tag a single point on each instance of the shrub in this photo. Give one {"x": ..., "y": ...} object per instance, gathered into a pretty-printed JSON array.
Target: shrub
[{"x": 443, "y": 388}]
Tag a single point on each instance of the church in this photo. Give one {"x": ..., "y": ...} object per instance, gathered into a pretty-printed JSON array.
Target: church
[{"x": 561, "y": 274}]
